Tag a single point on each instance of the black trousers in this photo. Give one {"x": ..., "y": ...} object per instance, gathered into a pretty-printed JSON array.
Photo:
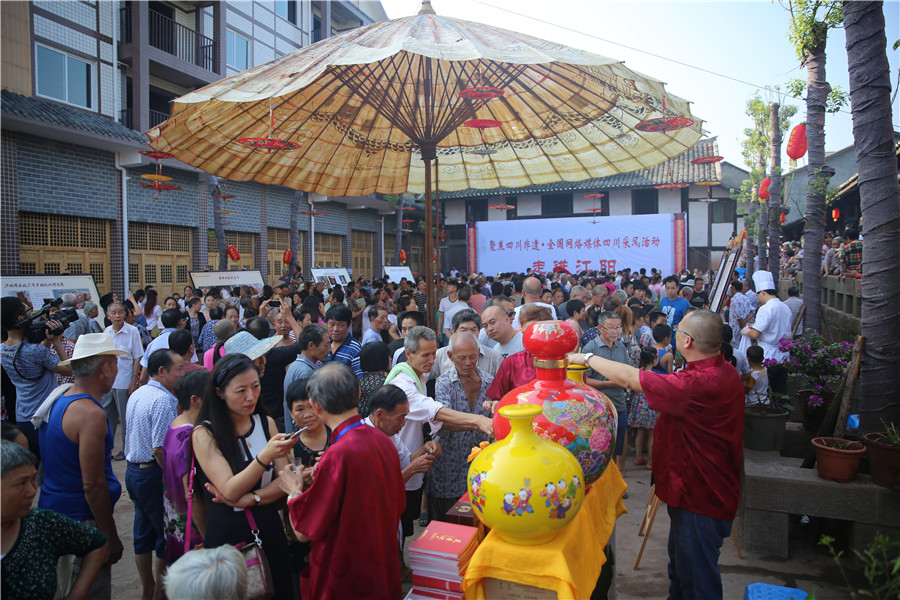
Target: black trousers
[{"x": 411, "y": 513}]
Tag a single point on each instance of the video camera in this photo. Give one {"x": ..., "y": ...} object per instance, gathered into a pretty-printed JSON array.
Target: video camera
[{"x": 36, "y": 329}]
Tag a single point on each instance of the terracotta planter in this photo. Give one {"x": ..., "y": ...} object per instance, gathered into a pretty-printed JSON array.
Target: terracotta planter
[
  {"x": 764, "y": 431},
  {"x": 838, "y": 459},
  {"x": 884, "y": 461}
]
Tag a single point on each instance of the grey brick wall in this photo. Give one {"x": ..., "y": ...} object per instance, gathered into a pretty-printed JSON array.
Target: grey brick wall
[
  {"x": 176, "y": 207},
  {"x": 65, "y": 179},
  {"x": 365, "y": 220},
  {"x": 335, "y": 221},
  {"x": 245, "y": 205}
]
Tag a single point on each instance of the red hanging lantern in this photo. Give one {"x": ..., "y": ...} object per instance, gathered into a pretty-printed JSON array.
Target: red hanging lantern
[
  {"x": 782, "y": 219},
  {"x": 835, "y": 214},
  {"x": 287, "y": 257},
  {"x": 796, "y": 146},
  {"x": 443, "y": 235},
  {"x": 233, "y": 253},
  {"x": 402, "y": 256},
  {"x": 764, "y": 188}
]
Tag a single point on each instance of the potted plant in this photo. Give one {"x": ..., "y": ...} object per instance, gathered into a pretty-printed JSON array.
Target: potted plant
[
  {"x": 816, "y": 366},
  {"x": 838, "y": 459},
  {"x": 884, "y": 455},
  {"x": 764, "y": 422}
]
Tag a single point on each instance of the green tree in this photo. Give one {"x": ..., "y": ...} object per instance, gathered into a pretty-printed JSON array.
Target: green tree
[
  {"x": 810, "y": 22},
  {"x": 756, "y": 150},
  {"x": 879, "y": 195}
]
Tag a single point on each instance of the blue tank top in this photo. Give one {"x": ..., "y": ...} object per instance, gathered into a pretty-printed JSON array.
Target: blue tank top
[
  {"x": 63, "y": 489},
  {"x": 658, "y": 368}
]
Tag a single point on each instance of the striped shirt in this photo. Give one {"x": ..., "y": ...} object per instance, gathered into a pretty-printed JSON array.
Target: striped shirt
[
  {"x": 348, "y": 354},
  {"x": 151, "y": 409}
]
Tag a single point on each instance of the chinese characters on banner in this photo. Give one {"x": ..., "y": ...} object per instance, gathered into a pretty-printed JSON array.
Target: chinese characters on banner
[{"x": 577, "y": 244}]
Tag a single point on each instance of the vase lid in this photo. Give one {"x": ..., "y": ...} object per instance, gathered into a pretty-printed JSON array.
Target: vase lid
[
  {"x": 513, "y": 411},
  {"x": 550, "y": 340}
]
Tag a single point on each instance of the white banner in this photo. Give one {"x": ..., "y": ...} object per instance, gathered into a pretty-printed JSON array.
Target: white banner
[
  {"x": 228, "y": 279},
  {"x": 398, "y": 273},
  {"x": 577, "y": 244},
  {"x": 34, "y": 289},
  {"x": 331, "y": 277}
]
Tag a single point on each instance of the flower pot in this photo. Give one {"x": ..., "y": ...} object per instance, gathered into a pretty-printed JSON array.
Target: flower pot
[
  {"x": 764, "y": 430},
  {"x": 837, "y": 459},
  {"x": 884, "y": 461},
  {"x": 525, "y": 487}
]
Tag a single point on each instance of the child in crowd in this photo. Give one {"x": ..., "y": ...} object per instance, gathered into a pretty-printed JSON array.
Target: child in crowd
[
  {"x": 756, "y": 382},
  {"x": 662, "y": 335},
  {"x": 317, "y": 437},
  {"x": 644, "y": 333},
  {"x": 642, "y": 417}
]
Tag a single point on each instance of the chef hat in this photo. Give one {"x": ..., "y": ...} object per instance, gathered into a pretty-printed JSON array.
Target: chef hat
[{"x": 763, "y": 280}]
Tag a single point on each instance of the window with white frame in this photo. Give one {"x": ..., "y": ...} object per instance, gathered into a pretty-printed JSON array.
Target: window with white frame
[
  {"x": 287, "y": 10},
  {"x": 238, "y": 50},
  {"x": 63, "y": 77}
]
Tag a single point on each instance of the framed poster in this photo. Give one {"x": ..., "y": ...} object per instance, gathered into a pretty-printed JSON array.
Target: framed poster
[
  {"x": 723, "y": 277},
  {"x": 33, "y": 290},
  {"x": 228, "y": 279},
  {"x": 331, "y": 277},
  {"x": 398, "y": 273}
]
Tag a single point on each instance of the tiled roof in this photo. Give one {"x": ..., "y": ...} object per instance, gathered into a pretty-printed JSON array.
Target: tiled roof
[
  {"x": 676, "y": 170},
  {"x": 58, "y": 114}
]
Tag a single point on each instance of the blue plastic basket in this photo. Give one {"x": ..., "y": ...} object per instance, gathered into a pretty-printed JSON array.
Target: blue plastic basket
[{"x": 765, "y": 591}]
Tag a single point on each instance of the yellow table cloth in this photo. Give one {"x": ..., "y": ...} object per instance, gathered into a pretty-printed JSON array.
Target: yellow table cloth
[{"x": 570, "y": 564}]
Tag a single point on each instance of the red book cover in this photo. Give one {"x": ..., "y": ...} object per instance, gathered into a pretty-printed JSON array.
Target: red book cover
[
  {"x": 435, "y": 583},
  {"x": 444, "y": 539}
]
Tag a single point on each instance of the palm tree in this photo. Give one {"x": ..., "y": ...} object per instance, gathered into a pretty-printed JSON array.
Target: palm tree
[
  {"x": 810, "y": 22},
  {"x": 297, "y": 201},
  {"x": 212, "y": 185},
  {"x": 879, "y": 195}
]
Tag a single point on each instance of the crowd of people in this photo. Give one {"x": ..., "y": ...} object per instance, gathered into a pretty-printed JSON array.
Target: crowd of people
[{"x": 321, "y": 424}]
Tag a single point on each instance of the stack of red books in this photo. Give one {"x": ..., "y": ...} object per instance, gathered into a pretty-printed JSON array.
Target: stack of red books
[{"x": 439, "y": 558}]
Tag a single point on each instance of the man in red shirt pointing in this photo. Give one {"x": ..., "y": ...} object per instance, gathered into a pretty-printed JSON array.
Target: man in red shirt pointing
[{"x": 697, "y": 449}]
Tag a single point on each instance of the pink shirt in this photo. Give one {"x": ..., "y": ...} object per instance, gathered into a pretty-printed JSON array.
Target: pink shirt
[{"x": 208, "y": 357}]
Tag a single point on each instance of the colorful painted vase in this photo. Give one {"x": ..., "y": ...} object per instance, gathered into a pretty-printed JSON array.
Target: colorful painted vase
[
  {"x": 524, "y": 487},
  {"x": 575, "y": 415}
]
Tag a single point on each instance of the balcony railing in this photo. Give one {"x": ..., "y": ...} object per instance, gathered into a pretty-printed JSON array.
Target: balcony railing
[
  {"x": 157, "y": 117},
  {"x": 174, "y": 38}
]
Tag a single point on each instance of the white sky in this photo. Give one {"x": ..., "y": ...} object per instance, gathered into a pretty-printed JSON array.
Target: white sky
[{"x": 742, "y": 40}]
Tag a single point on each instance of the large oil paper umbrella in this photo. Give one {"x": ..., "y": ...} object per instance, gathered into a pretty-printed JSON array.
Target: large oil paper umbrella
[{"x": 371, "y": 109}]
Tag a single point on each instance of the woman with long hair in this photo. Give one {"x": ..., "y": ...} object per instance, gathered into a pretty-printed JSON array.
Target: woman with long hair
[
  {"x": 152, "y": 309},
  {"x": 314, "y": 305},
  {"x": 239, "y": 451}
]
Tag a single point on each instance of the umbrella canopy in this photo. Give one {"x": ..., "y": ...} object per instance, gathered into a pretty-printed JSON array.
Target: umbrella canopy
[{"x": 364, "y": 111}]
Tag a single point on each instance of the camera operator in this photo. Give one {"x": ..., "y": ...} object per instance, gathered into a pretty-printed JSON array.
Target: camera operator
[{"x": 31, "y": 366}]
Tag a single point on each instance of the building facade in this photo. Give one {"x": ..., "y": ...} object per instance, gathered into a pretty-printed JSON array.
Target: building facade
[{"x": 82, "y": 80}]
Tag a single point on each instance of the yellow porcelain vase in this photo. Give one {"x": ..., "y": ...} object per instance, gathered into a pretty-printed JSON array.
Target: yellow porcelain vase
[{"x": 525, "y": 487}]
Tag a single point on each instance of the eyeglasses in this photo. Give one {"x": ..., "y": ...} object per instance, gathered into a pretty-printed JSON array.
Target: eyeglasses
[
  {"x": 684, "y": 333},
  {"x": 511, "y": 313},
  {"x": 619, "y": 329}
]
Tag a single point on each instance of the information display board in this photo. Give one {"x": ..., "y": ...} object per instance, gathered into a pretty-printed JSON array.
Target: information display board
[
  {"x": 34, "y": 289},
  {"x": 578, "y": 244},
  {"x": 398, "y": 273},
  {"x": 331, "y": 277},
  {"x": 228, "y": 279}
]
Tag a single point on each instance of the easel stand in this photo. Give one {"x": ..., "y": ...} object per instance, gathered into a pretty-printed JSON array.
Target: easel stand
[{"x": 647, "y": 524}]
